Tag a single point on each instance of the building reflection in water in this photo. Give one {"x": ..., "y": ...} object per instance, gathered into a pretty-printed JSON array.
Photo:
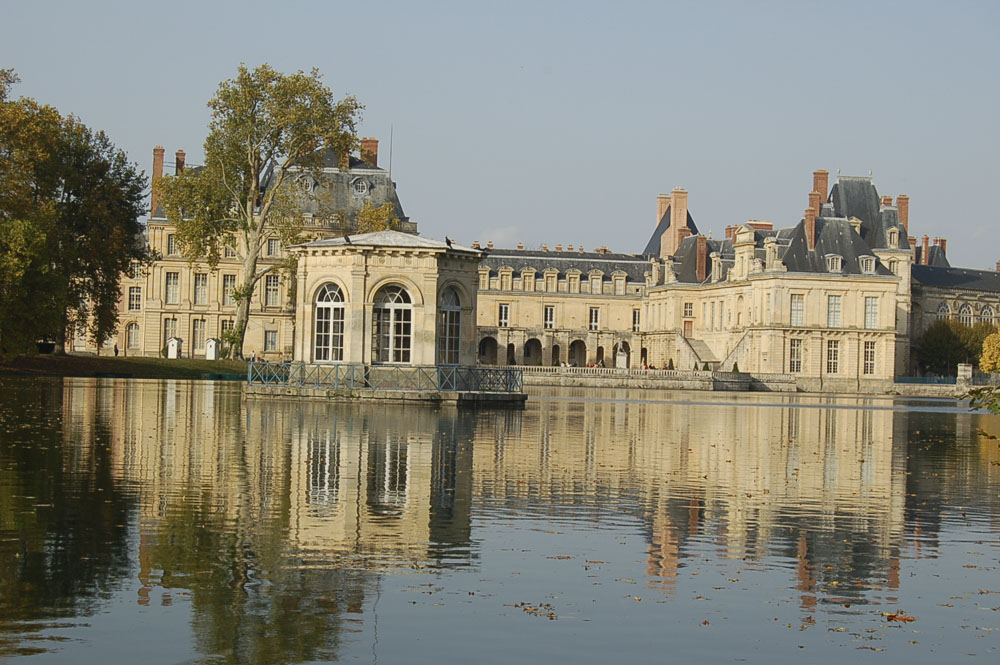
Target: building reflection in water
[{"x": 279, "y": 519}]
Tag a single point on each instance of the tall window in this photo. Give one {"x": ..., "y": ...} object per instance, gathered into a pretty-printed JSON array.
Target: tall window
[
  {"x": 449, "y": 327},
  {"x": 132, "y": 336},
  {"x": 329, "y": 323},
  {"x": 550, "y": 283},
  {"x": 201, "y": 288},
  {"x": 943, "y": 312},
  {"x": 271, "y": 291},
  {"x": 833, "y": 311},
  {"x": 595, "y": 284},
  {"x": 503, "y": 315},
  {"x": 798, "y": 308},
  {"x": 832, "y": 356},
  {"x": 392, "y": 329},
  {"x": 171, "y": 245},
  {"x": 134, "y": 298},
  {"x": 595, "y": 318},
  {"x": 270, "y": 340},
  {"x": 986, "y": 315},
  {"x": 169, "y": 329},
  {"x": 229, "y": 251},
  {"x": 869, "y": 364},
  {"x": 688, "y": 309},
  {"x": 228, "y": 286},
  {"x": 225, "y": 326},
  {"x": 135, "y": 270},
  {"x": 965, "y": 314},
  {"x": 635, "y": 320},
  {"x": 871, "y": 312},
  {"x": 172, "y": 288},
  {"x": 550, "y": 317},
  {"x": 794, "y": 356},
  {"x": 198, "y": 334},
  {"x": 711, "y": 308},
  {"x": 273, "y": 247}
]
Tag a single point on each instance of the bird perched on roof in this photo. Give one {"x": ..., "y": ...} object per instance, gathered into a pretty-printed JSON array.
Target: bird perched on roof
[
  {"x": 447, "y": 241},
  {"x": 347, "y": 238}
]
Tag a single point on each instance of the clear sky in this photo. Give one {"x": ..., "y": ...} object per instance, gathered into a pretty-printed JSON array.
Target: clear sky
[{"x": 548, "y": 122}]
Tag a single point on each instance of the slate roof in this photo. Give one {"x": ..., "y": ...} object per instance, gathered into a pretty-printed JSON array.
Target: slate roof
[
  {"x": 956, "y": 278},
  {"x": 653, "y": 246},
  {"x": 935, "y": 256},
  {"x": 686, "y": 257},
  {"x": 855, "y": 196},
  {"x": 833, "y": 236},
  {"x": 633, "y": 266},
  {"x": 388, "y": 239}
]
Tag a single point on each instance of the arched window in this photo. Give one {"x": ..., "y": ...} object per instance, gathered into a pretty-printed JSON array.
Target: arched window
[
  {"x": 943, "y": 312},
  {"x": 329, "y": 323},
  {"x": 965, "y": 314},
  {"x": 449, "y": 327},
  {"x": 132, "y": 336},
  {"x": 392, "y": 325},
  {"x": 986, "y": 315}
]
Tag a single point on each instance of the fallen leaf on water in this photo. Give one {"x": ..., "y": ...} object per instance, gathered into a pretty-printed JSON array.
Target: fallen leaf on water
[{"x": 898, "y": 615}]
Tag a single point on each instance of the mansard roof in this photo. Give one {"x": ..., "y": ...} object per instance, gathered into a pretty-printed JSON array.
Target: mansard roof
[
  {"x": 833, "y": 236},
  {"x": 935, "y": 256},
  {"x": 653, "y": 246},
  {"x": 633, "y": 266},
  {"x": 956, "y": 278},
  {"x": 855, "y": 196},
  {"x": 388, "y": 238}
]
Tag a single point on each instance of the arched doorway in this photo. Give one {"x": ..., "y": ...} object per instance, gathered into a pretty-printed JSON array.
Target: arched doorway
[
  {"x": 555, "y": 355},
  {"x": 328, "y": 324},
  {"x": 644, "y": 357},
  {"x": 532, "y": 352},
  {"x": 449, "y": 327},
  {"x": 392, "y": 325},
  {"x": 487, "y": 351},
  {"x": 511, "y": 355},
  {"x": 578, "y": 354},
  {"x": 599, "y": 359}
]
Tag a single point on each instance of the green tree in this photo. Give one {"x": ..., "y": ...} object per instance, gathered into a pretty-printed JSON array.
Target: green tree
[
  {"x": 69, "y": 224},
  {"x": 945, "y": 344},
  {"x": 989, "y": 359},
  {"x": 266, "y": 126},
  {"x": 370, "y": 218}
]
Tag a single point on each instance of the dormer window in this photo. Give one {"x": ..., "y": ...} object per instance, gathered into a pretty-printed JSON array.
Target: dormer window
[
  {"x": 360, "y": 187},
  {"x": 893, "y": 238},
  {"x": 834, "y": 263},
  {"x": 867, "y": 264}
]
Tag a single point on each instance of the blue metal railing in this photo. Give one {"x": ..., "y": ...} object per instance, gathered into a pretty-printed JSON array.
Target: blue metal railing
[
  {"x": 927, "y": 380},
  {"x": 386, "y": 377}
]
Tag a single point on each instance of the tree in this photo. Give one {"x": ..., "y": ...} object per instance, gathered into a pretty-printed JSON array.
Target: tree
[
  {"x": 266, "y": 126},
  {"x": 369, "y": 218},
  {"x": 989, "y": 359},
  {"x": 69, "y": 224},
  {"x": 946, "y": 343}
]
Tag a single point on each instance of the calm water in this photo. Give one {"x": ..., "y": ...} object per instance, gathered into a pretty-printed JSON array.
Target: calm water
[{"x": 167, "y": 522}]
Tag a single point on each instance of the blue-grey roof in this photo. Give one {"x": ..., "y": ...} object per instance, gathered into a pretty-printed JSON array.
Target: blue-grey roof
[
  {"x": 633, "y": 266},
  {"x": 855, "y": 196},
  {"x": 833, "y": 236},
  {"x": 653, "y": 246},
  {"x": 935, "y": 256},
  {"x": 956, "y": 278}
]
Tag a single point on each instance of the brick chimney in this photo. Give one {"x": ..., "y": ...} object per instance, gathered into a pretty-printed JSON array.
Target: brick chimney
[
  {"x": 475, "y": 244},
  {"x": 814, "y": 198},
  {"x": 179, "y": 162},
  {"x": 810, "y": 228},
  {"x": 886, "y": 201},
  {"x": 998, "y": 266},
  {"x": 701, "y": 258},
  {"x": 489, "y": 245},
  {"x": 369, "y": 150},
  {"x": 662, "y": 203},
  {"x": 569, "y": 248},
  {"x": 821, "y": 184},
  {"x": 520, "y": 245},
  {"x": 943, "y": 245},
  {"x": 545, "y": 248},
  {"x": 730, "y": 231},
  {"x": 678, "y": 220},
  {"x": 154, "y": 196},
  {"x": 559, "y": 247},
  {"x": 903, "y": 205},
  {"x": 925, "y": 250},
  {"x": 581, "y": 249}
]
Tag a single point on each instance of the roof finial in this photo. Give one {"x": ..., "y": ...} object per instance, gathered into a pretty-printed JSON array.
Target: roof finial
[
  {"x": 869, "y": 173},
  {"x": 838, "y": 172}
]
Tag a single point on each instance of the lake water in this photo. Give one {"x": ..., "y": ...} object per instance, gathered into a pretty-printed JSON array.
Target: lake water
[{"x": 169, "y": 522}]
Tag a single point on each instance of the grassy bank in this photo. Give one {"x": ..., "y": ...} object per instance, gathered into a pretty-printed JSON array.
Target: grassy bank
[{"x": 138, "y": 368}]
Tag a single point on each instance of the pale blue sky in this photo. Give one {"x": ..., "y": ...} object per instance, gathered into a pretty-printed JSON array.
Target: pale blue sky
[{"x": 547, "y": 122}]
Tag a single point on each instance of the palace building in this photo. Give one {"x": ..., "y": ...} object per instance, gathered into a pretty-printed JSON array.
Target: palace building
[{"x": 835, "y": 300}]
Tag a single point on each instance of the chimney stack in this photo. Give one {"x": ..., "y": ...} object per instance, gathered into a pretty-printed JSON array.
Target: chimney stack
[
  {"x": 475, "y": 244},
  {"x": 678, "y": 220},
  {"x": 559, "y": 247},
  {"x": 701, "y": 258},
  {"x": 581, "y": 249},
  {"x": 925, "y": 251},
  {"x": 814, "y": 201},
  {"x": 998, "y": 266},
  {"x": 369, "y": 150},
  {"x": 154, "y": 196},
  {"x": 886, "y": 201},
  {"x": 821, "y": 184},
  {"x": 810, "y": 229},
  {"x": 944, "y": 246},
  {"x": 520, "y": 245},
  {"x": 179, "y": 162},
  {"x": 903, "y": 205},
  {"x": 662, "y": 203},
  {"x": 569, "y": 248},
  {"x": 545, "y": 248},
  {"x": 730, "y": 231},
  {"x": 489, "y": 245}
]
